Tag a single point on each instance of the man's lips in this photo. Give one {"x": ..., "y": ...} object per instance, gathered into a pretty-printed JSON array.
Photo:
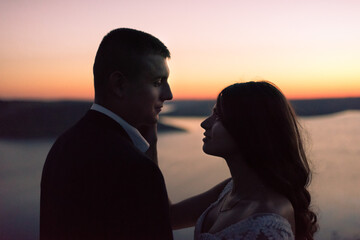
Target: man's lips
[{"x": 158, "y": 109}]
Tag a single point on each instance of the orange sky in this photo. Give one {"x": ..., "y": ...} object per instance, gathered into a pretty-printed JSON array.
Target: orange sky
[{"x": 309, "y": 48}]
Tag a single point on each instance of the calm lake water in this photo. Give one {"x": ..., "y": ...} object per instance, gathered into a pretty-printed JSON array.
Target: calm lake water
[{"x": 333, "y": 143}]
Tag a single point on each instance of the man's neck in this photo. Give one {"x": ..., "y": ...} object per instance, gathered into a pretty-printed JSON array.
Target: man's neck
[{"x": 136, "y": 137}]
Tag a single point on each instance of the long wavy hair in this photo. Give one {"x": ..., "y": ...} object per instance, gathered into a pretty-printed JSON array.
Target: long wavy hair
[{"x": 265, "y": 127}]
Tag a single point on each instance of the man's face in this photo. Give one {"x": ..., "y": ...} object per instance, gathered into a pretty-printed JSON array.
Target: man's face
[{"x": 147, "y": 93}]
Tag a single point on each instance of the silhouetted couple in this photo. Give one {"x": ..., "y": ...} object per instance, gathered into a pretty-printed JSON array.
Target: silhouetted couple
[{"x": 101, "y": 179}]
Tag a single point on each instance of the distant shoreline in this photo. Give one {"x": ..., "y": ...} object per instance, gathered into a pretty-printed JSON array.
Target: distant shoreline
[
  {"x": 305, "y": 107},
  {"x": 28, "y": 119}
]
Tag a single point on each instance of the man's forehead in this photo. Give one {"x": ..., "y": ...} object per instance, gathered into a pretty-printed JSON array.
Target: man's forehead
[{"x": 154, "y": 64}]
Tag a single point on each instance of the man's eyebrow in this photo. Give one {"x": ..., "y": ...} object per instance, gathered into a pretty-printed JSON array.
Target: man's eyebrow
[{"x": 162, "y": 77}]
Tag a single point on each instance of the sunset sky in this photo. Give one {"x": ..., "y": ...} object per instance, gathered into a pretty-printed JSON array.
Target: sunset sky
[{"x": 309, "y": 48}]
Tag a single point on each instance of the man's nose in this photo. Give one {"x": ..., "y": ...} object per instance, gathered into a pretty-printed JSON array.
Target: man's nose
[{"x": 166, "y": 93}]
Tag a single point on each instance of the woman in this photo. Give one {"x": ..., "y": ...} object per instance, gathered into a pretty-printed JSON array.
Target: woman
[{"x": 254, "y": 128}]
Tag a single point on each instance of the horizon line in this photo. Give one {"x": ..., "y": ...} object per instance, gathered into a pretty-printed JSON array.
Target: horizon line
[{"x": 30, "y": 99}]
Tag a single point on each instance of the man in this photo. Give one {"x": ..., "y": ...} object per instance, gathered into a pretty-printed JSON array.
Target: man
[{"x": 98, "y": 181}]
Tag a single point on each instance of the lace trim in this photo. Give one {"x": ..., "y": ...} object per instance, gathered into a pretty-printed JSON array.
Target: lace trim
[{"x": 261, "y": 226}]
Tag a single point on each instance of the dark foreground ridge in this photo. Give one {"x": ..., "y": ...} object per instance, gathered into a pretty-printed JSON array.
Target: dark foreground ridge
[{"x": 41, "y": 119}]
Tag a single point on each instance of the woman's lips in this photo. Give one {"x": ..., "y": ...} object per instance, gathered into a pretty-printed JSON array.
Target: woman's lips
[{"x": 206, "y": 138}]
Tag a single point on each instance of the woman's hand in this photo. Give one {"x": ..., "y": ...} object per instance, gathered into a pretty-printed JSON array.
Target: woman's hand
[{"x": 149, "y": 132}]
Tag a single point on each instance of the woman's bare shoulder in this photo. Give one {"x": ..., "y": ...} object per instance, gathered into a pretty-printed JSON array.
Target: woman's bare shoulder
[{"x": 277, "y": 204}]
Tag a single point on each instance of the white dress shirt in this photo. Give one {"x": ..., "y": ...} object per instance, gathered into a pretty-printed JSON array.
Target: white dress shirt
[{"x": 138, "y": 140}]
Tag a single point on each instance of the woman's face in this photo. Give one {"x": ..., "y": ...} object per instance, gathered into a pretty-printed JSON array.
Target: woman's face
[{"x": 217, "y": 140}]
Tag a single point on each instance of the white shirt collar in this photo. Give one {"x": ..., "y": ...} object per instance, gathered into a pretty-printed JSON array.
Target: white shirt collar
[{"x": 138, "y": 140}]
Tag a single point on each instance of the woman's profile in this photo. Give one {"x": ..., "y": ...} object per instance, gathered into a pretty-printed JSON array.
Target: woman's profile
[{"x": 254, "y": 128}]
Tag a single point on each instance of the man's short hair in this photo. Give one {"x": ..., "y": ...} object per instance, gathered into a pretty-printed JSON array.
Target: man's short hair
[{"x": 119, "y": 51}]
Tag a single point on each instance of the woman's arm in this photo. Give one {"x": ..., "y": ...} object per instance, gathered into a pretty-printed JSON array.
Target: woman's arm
[{"x": 185, "y": 213}]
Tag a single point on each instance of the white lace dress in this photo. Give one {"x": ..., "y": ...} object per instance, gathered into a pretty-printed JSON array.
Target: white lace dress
[{"x": 261, "y": 226}]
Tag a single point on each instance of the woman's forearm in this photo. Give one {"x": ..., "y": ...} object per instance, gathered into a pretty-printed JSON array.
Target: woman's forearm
[{"x": 185, "y": 213}]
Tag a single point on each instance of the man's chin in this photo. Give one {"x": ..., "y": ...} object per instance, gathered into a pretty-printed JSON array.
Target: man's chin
[
  {"x": 153, "y": 121},
  {"x": 157, "y": 118},
  {"x": 147, "y": 123}
]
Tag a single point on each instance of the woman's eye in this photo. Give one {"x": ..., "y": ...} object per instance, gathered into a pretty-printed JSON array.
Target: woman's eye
[
  {"x": 217, "y": 117},
  {"x": 157, "y": 83}
]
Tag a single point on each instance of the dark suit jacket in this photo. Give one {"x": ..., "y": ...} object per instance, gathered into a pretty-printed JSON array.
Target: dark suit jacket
[{"x": 96, "y": 185}]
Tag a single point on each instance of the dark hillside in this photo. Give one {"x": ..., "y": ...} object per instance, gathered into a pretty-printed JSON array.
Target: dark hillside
[{"x": 40, "y": 119}]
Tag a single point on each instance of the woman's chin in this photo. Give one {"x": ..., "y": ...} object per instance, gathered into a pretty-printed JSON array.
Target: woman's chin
[{"x": 205, "y": 150}]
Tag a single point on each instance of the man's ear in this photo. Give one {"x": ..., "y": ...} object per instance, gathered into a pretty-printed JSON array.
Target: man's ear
[{"x": 117, "y": 83}]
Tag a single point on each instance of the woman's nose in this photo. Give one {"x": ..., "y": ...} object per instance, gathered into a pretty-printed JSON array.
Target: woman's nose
[{"x": 205, "y": 123}]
